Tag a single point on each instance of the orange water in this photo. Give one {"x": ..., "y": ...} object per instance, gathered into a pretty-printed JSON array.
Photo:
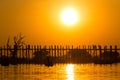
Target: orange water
[{"x": 60, "y": 72}]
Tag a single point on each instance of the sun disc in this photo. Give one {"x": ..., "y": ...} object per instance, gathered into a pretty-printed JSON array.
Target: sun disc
[{"x": 69, "y": 16}]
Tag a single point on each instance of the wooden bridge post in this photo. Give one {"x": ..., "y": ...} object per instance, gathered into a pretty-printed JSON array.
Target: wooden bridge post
[
  {"x": 88, "y": 49},
  {"x": 100, "y": 50},
  {"x": 7, "y": 51},
  {"x": 55, "y": 53},
  {"x": 115, "y": 48},
  {"x": 28, "y": 53},
  {"x": 83, "y": 49},
  {"x": 1, "y": 52},
  {"x": 23, "y": 52},
  {"x": 95, "y": 50},
  {"x": 15, "y": 51},
  {"x": 35, "y": 49},
  {"x": 105, "y": 49},
  {"x": 40, "y": 47},
  {"x": 60, "y": 53},
  {"x": 110, "y": 48},
  {"x": 32, "y": 51},
  {"x": 66, "y": 53},
  {"x": 63, "y": 54},
  {"x": 72, "y": 47},
  {"x": 52, "y": 51},
  {"x": 4, "y": 51},
  {"x": 49, "y": 49},
  {"x": 20, "y": 53}
]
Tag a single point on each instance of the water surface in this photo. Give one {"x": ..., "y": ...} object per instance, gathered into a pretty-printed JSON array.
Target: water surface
[{"x": 60, "y": 72}]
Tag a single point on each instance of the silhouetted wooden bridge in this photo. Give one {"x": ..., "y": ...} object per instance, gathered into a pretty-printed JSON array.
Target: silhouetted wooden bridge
[{"x": 57, "y": 53}]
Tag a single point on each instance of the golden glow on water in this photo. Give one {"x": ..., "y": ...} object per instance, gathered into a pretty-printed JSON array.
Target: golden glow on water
[
  {"x": 70, "y": 71},
  {"x": 60, "y": 72}
]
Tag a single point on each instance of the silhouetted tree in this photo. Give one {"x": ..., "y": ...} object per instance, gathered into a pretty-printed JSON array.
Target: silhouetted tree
[{"x": 18, "y": 43}]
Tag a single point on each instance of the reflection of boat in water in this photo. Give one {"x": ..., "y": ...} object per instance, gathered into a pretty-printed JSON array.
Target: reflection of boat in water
[{"x": 48, "y": 61}]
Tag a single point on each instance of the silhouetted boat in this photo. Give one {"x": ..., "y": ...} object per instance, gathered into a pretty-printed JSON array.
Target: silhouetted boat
[
  {"x": 48, "y": 61},
  {"x": 4, "y": 61}
]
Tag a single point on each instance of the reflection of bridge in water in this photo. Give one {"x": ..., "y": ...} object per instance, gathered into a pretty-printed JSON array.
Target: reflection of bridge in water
[{"x": 59, "y": 54}]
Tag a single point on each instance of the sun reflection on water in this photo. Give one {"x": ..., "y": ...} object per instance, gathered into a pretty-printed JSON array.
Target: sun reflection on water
[{"x": 70, "y": 71}]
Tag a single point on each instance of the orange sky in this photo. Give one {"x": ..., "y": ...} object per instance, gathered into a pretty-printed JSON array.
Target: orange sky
[{"x": 39, "y": 21}]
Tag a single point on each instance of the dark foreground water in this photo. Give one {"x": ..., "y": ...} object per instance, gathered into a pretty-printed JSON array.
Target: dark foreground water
[{"x": 61, "y": 72}]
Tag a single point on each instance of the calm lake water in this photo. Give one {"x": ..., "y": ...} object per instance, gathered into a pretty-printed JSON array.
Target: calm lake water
[{"x": 61, "y": 72}]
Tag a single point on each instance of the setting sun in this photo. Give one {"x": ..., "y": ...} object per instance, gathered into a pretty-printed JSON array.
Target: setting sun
[{"x": 69, "y": 16}]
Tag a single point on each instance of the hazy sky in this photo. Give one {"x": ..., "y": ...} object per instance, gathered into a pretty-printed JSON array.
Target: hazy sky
[{"x": 39, "y": 21}]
